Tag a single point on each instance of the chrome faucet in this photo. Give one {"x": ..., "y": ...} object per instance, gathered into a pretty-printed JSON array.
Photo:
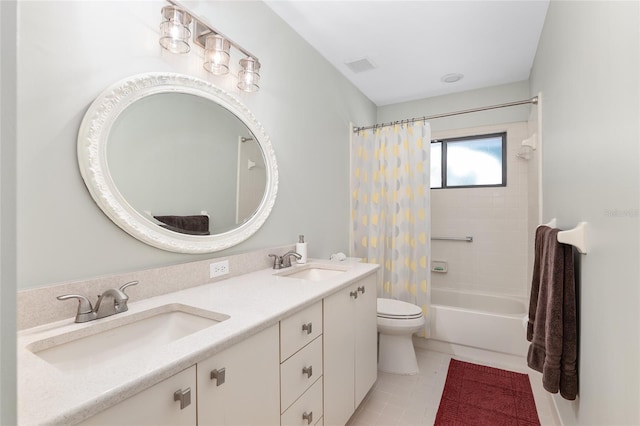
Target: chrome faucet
[
  {"x": 284, "y": 261},
  {"x": 117, "y": 297}
]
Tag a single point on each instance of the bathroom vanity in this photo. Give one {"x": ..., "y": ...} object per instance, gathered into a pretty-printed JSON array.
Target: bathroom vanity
[{"x": 294, "y": 346}]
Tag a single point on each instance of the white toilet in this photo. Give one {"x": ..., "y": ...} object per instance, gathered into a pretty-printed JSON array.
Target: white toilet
[{"x": 397, "y": 321}]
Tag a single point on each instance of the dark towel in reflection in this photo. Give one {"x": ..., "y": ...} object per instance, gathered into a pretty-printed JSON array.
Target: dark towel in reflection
[
  {"x": 194, "y": 225},
  {"x": 552, "y": 328}
]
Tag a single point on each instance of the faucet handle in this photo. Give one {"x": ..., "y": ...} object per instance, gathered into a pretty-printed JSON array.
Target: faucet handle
[
  {"x": 277, "y": 261},
  {"x": 85, "y": 310},
  {"x": 129, "y": 284},
  {"x": 84, "y": 305}
]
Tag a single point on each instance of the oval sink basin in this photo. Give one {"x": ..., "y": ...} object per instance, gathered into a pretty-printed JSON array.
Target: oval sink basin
[
  {"x": 140, "y": 333},
  {"x": 313, "y": 272}
]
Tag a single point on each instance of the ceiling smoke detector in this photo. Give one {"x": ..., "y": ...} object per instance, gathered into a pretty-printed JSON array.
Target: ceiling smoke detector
[
  {"x": 452, "y": 78},
  {"x": 361, "y": 65}
]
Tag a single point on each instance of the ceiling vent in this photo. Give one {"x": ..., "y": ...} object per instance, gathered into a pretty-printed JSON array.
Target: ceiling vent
[{"x": 361, "y": 65}]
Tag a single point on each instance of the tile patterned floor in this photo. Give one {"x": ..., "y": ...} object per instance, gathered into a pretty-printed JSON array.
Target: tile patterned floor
[{"x": 397, "y": 400}]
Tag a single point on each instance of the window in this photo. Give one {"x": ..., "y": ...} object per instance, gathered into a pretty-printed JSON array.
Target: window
[{"x": 473, "y": 161}]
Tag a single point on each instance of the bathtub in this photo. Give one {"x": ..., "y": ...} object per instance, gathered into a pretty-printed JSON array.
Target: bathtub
[{"x": 484, "y": 321}]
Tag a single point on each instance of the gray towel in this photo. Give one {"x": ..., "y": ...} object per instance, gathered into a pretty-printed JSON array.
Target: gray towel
[{"x": 552, "y": 328}]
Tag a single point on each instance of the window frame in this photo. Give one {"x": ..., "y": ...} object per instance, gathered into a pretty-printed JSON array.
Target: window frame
[{"x": 443, "y": 159}]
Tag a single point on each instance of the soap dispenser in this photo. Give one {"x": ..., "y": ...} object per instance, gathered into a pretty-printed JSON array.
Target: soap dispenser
[{"x": 301, "y": 249}]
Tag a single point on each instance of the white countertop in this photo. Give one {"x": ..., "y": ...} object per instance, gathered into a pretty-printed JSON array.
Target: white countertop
[{"x": 254, "y": 301}]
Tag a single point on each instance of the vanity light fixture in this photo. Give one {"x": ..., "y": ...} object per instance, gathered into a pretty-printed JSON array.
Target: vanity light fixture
[
  {"x": 175, "y": 34},
  {"x": 216, "y": 54},
  {"x": 174, "y": 30},
  {"x": 249, "y": 77}
]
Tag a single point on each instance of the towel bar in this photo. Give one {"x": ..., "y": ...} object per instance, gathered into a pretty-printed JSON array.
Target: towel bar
[{"x": 575, "y": 237}]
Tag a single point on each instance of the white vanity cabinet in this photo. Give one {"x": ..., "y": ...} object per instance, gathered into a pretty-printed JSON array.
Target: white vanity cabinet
[
  {"x": 350, "y": 349},
  {"x": 241, "y": 385},
  {"x": 170, "y": 402},
  {"x": 301, "y": 367},
  {"x": 238, "y": 386}
]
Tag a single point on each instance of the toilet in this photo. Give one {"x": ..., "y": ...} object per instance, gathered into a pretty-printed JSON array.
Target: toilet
[{"x": 397, "y": 321}]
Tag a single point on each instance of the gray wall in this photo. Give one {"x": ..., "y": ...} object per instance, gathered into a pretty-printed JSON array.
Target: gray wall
[
  {"x": 587, "y": 70},
  {"x": 304, "y": 104},
  {"x": 463, "y": 101},
  {"x": 8, "y": 213}
]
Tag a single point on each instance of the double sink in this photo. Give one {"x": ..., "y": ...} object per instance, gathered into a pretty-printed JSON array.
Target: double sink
[{"x": 103, "y": 342}]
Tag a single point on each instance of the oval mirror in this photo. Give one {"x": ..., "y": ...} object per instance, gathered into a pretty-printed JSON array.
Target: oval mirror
[{"x": 177, "y": 163}]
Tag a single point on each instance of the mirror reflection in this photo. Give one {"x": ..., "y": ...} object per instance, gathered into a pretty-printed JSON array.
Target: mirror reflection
[{"x": 186, "y": 163}]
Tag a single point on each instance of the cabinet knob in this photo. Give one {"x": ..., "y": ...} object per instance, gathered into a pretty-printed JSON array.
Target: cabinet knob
[
  {"x": 361, "y": 289},
  {"x": 308, "y": 371},
  {"x": 219, "y": 376},
  {"x": 307, "y": 327},
  {"x": 184, "y": 396},
  {"x": 308, "y": 417},
  {"x": 354, "y": 294}
]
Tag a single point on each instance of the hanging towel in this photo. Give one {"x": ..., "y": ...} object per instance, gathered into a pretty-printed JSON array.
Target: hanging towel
[
  {"x": 195, "y": 225},
  {"x": 552, "y": 328}
]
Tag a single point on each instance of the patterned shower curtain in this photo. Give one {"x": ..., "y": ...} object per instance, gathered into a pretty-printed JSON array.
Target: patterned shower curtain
[{"x": 391, "y": 209}]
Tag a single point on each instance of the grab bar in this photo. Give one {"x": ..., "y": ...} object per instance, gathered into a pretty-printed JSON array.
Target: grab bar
[{"x": 468, "y": 239}]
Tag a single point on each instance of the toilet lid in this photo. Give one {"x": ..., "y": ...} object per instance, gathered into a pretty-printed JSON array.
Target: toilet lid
[{"x": 397, "y": 309}]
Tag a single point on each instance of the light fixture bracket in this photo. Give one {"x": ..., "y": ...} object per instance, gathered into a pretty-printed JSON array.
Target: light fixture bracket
[{"x": 200, "y": 33}]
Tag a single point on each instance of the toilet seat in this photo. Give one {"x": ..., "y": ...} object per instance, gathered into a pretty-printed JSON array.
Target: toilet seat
[{"x": 398, "y": 310}]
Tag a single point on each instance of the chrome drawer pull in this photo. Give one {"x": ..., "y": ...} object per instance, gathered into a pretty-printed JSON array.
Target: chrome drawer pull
[
  {"x": 307, "y": 327},
  {"x": 308, "y": 417},
  {"x": 219, "y": 376},
  {"x": 308, "y": 371},
  {"x": 184, "y": 396}
]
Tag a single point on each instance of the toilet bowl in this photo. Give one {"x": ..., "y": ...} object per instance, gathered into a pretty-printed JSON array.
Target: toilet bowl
[{"x": 397, "y": 321}]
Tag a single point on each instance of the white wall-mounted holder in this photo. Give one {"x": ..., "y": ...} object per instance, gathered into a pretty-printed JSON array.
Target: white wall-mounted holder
[
  {"x": 528, "y": 145},
  {"x": 576, "y": 237}
]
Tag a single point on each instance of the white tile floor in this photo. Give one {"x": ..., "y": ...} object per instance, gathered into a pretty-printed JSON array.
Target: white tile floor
[{"x": 413, "y": 400}]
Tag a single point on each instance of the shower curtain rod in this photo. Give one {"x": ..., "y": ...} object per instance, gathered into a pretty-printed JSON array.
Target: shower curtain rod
[{"x": 533, "y": 100}]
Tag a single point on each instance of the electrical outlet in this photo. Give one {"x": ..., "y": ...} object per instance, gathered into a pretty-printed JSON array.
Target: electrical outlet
[{"x": 218, "y": 268}]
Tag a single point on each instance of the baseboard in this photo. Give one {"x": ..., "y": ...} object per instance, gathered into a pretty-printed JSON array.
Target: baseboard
[{"x": 495, "y": 359}]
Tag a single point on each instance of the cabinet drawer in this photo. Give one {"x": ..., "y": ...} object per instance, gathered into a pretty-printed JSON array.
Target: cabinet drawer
[
  {"x": 292, "y": 334},
  {"x": 310, "y": 403},
  {"x": 299, "y": 372}
]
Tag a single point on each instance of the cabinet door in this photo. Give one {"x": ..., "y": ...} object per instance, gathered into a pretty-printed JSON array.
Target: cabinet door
[
  {"x": 247, "y": 388},
  {"x": 156, "y": 405},
  {"x": 339, "y": 356},
  {"x": 366, "y": 335}
]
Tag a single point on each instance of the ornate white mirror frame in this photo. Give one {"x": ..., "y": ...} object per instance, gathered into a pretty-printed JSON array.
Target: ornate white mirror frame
[{"x": 93, "y": 138}]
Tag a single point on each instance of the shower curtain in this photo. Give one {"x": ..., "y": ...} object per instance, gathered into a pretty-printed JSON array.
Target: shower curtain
[{"x": 390, "y": 172}]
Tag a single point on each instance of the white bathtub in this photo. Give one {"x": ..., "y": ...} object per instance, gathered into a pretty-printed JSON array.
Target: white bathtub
[{"x": 478, "y": 320}]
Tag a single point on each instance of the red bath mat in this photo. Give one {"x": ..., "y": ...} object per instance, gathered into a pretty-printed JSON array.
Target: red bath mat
[{"x": 480, "y": 395}]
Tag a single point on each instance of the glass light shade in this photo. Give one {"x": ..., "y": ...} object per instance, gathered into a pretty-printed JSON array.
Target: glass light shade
[
  {"x": 248, "y": 77},
  {"x": 216, "y": 55},
  {"x": 174, "y": 30}
]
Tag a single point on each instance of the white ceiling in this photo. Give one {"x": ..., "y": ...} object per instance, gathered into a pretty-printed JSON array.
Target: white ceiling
[{"x": 414, "y": 43}]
